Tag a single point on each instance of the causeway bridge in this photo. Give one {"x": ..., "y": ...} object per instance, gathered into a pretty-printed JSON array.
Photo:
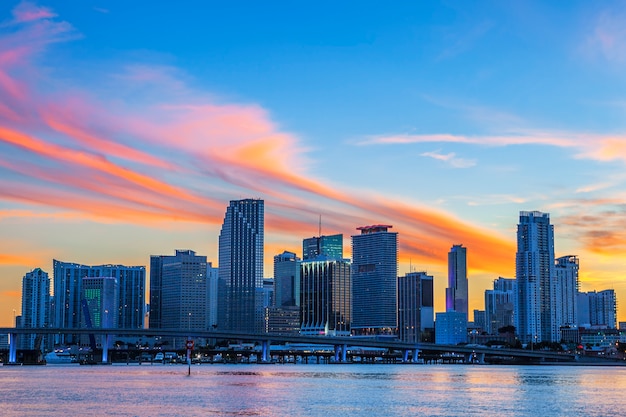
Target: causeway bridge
[{"x": 410, "y": 352}]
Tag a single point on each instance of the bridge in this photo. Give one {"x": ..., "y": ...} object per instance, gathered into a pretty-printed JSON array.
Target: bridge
[{"x": 410, "y": 351}]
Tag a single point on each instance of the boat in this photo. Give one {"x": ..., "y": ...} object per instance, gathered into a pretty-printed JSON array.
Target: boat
[{"x": 61, "y": 355}]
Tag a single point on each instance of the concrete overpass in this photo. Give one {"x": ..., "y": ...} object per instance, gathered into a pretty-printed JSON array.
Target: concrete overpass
[{"x": 342, "y": 345}]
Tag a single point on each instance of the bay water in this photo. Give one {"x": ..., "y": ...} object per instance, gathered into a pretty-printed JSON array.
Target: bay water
[{"x": 312, "y": 390}]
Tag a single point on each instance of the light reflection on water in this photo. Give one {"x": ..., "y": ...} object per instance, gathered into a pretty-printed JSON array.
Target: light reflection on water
[{"x": 311, "y": 390}]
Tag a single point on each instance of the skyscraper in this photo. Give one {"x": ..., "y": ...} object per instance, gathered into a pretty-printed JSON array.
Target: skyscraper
[
  {"x": 68, "y": 294},
  {"x": 566, "y": 275},
  {"x": 326, "y": 297},
  {"x": 456, "y": 293},
  {"x": 286, "y": 280},
  {"x": 415, "y": 306},
  {"x": 241, "y": 267},
  {"x": 500, "y": 305},
  {"x": 101, "y": 296},
  {"x": 35, "y": 304},
  {"x": 597, "y": 309},
  {"x": 329, "y": 246},
  {"x": 535, "y": 313},
  {"x": 374, "y": 281}
]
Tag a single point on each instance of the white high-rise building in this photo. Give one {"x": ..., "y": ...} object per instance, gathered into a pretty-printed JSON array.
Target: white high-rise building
[
  {"x": 535, "y": 314},
  {"x": 597, "y": 309},
  {"x": 566, "y": 270}
]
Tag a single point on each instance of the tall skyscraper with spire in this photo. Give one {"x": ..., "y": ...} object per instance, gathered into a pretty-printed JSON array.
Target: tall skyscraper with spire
[
  {"x": 535, "y": 312},
  {"x": 240, "y": 305},
  {"x": 375, "y": 281},
  {"x": 456, "y": 293}
]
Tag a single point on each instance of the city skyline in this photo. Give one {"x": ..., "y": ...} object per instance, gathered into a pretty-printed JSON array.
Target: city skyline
[{"x": 443, "y": 120}]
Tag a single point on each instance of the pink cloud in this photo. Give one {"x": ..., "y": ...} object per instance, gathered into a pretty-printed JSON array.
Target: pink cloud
[
  {"x": 182, "y": 158},
  {"x": 27, "y": 12}
]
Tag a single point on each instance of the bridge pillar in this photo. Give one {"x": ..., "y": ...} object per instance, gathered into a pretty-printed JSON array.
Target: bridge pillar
[
  {"x": 265, "y": 351},
  {"x": 344, "y": 353},
  {"x": 105, "y": 348},
  {"x": 481, "y": 358},
  {"x": 416, "y": 353},
  {"x": 405, "y": 356},
  {"x": 337, "y": 350},
  {"x": 468, "y": 357},
  {"x": 12, "y": 347}
]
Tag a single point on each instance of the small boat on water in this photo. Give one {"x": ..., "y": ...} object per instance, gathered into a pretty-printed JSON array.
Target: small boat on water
[{"x": 62, "y": 355}]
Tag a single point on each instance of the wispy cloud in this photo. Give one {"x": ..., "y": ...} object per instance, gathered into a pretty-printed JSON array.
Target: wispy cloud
[
  {"x": 607, "y": 37},
  {"x": 583, "y": 145},
  {"x": 451, "y": 159},
  {"x": 460, "y": 42},
  {"x": 27, "y": 11},
  {"x": 182, "y": 157}
]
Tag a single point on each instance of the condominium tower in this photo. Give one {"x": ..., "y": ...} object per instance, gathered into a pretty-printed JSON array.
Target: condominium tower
[
  {"x": 566, "y": 275},
  {"x": 535, "y": 314},
  {"x": 68, "y": 293},
  {"x": 241, "y": 267},
  {"x": 35, "y": 304}
]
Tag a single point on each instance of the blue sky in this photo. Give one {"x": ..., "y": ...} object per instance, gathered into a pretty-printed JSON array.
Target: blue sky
[{"x": 126, "y": 128}]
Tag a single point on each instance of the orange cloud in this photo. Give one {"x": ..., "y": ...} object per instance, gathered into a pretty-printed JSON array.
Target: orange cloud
[
  {"x": 186, "y": 158},
  {"x": 6, "y": 259}
]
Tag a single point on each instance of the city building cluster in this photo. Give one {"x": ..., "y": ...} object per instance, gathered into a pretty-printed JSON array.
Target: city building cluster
[{"x": 323, "y": 293}]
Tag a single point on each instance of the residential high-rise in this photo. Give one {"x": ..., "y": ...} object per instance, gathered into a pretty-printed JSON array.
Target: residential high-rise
[
  {"x": 241, "y": 267},
  {"x": 415, "y": 306},
  {"x": 35, "y": 305},
  {"x": 68, "y": 278},
  {"x": 374, "y": 281},
  {"x": 329, "y": 246},
  {"x": 566, "y": 274},
  {"x": 500, "y": 305},
  {"x": 326, "y": 297},
  {"x": 535, "y": 313},
  {"x": 286, "y": 280},
  {"x": 456, "y": 293},
  {"x": 597, "y": 309}
]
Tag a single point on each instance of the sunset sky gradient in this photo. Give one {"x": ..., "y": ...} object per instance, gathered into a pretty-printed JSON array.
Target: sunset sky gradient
[{"x": 125, "y": 129}]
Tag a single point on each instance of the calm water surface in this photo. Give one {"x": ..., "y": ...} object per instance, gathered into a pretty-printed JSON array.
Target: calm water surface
[{"x": 312, "y": 390}]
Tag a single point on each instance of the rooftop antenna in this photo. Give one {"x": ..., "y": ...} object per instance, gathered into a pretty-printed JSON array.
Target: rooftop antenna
[{"x": 320, "y": 227}]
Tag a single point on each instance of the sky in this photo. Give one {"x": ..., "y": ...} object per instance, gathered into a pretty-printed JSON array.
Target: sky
[{"x": 126, "y": 128}]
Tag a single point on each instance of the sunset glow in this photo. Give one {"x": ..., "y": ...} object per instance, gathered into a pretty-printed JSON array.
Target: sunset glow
[{"x": 118, "y": 146}]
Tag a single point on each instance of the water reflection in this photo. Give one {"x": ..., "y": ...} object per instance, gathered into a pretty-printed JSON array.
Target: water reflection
[{"x": 312, "y": 390}]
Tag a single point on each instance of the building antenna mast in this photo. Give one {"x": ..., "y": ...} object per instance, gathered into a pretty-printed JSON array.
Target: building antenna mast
[{"x": 320, "y": 227}]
